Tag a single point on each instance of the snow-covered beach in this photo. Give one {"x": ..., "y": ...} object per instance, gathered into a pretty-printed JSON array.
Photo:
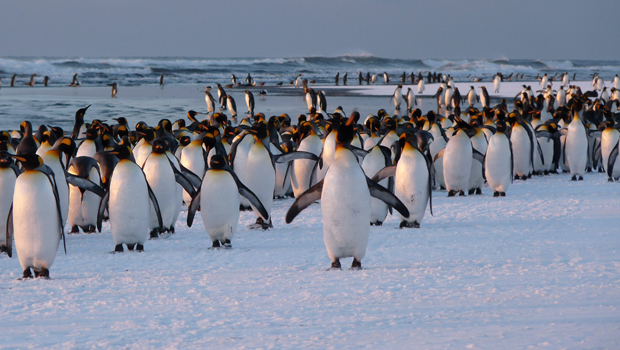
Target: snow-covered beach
[{"x": 536, "y": 269}]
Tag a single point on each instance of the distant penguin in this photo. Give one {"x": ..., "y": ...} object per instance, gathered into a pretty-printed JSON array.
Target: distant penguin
[
  {"x": 576, "y": 147},
  {"x": 498, "y": 162},
  {"x": 321, "y": 102},
  {"x": 8, "y": 176},
  {"x": 75, "y": 82},
  {"x": 221, "y": 96},
  {"x": 218, "y": 198},
  {"x": 128, "y": 203},
  {"x": 311, "y": 101},
  {"x": 386, "y": 78},
  {"x": 210, "y": 101},
  {"x": 337, "y": 78},
  {"x": 161, "y": 79},
  {"x": 114, "y": 89},
  {"x": 484, "y": 97},
  {"x": 233, "y": 79},
  {"x": 249, "y": 79},
  {"x": 46, "y": 81},
  {"x": 301, "y": 169},
  {"x": 32, "y": 81},
  {"x": 345, "y": 202},
  {"x": 373, "y": 79},
  {"x": 34, "y": 223},
  {"x": 616, "y": 82},
  {"x": 84, "y": 200},
  {"x": 249, "y": 100},
  {"x": 496, "y": 83},
  {"x": 472, "y": 97},
  {"x": 421, "y": 86},
  {"x": 397, "y": 96},
  {"x": 232, "y": 107},
  {"x": 410, "y": 99},
  {"x": 344, "y": 78},
  {"x": 13, "y": 80}
]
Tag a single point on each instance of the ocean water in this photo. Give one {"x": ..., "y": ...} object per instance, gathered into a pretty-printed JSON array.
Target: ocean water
[{"x": 144, "y": 71}]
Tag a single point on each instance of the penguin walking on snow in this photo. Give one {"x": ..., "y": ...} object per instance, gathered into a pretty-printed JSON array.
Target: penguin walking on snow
[
  {"x": 128, "y": 203},
  {"x": 498, "y": 161},
  {"x": 345, "y": 201},
  {"x": 219, "y": 202},
  {"x": 35, "y": 225}
]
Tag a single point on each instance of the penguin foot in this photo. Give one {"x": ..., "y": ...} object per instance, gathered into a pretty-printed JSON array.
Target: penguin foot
[
  {"x": 610, "y": 180},
  {"x": 472, "y": 191},
  {"x": 3, "y": 249},
  {"x": 356, "y": 265},
  {"x": 27, "y": 273},
  {"x": 45, "y": 273},
  {"x": 216, "y": 244},
  {"x": 524, "y": 177},
  {"x": 478, "y": 191},
  {"x": 461, "y": 193},
  {"x": 171, "y": 229},
  {"x": 154, "y": 234},
  {"x": 451, "y": 193},
  {"x": 617, "y": 178},
  {"x": 376, "y": 223},
  {"x": 517, "y": 177},
  {"x": 139, "y": 248},
  {"x": 601, "y": 170},
  {"x": 574, "y": 178},
  {"x": 118, "y": 248},
  {"x": 588, "y": 170},
  {"x": 414, "y": 224},
  {"x": 503, "y": 194},
  {"x": 74, "y": 229},
  {"x": 130, "y": 247},
  {"x": 495, "y": 194},
  {"x": 227, "y": 244},
  {"x": 580, "y": 178},
  {"x": 88, "y": 229},
  {"x": 335, "y": 265}
]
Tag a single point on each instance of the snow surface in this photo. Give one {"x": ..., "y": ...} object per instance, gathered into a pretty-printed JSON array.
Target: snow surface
[{"x": 537, "y": 269}]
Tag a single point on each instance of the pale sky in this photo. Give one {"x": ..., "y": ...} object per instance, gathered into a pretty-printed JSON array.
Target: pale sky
[{"x": 451, "y": 29}]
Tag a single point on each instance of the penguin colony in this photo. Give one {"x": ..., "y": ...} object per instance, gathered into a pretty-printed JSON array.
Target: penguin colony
[{"x": 137, "y": 178}]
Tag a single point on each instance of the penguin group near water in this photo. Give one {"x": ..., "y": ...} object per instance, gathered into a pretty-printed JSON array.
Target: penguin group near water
[{"x": 137, "y": 178}]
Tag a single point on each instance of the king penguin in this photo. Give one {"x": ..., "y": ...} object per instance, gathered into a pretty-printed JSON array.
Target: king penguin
[
  {"x": 576, "y": 145},
  {"x": 35, "y": 225},
  {"x": 8, "y": 174},
  {"x": 609, "y": 150},
  {"x": 457, "y": 161},
  {"x": 260, "y": 172},
  {"x": 345, "y": 201},
  {"x": 498, "y": 161},
  {"x": 218, "y": 198},
  {"x": 83, "y": 204},
  {"x": 301, "y": 169},
  {"x": 128, "y": 203}
]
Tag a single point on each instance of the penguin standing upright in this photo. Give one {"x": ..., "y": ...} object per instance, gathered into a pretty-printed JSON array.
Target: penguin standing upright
[
  {"x": 53, "y": 159},
  {"x": 8, "y": 176},
  {"x": 457, "y": 160},
  {"x": 83, "y": 204},
  {"x": 210, "y": 101},
  {"x": 232, "y": 107},
  {"x": 249, "y": 100},
  {"x": 128, "y": 203},
  {"x": 221, "y": 96},
  {"x": 609, "y": 150},
  {"x": 397, "y": 96},
  {"x": 576, "y": 146},
  {"x": 345, "y": 201},
  {"x": 193, "y": 158},
  {"x": 412, "y": 177},
  {"x": 498, "y": 161},
  {"x": 521, "y": 139},
  {"x": 378, "y": 158},
  {"x": 476, "y": 176},
  {"x": 161, "y": 175},
  {"x": 496, "y": 83},
  {"x": 472, "y": 97},
  {"x": 218, "y": 198},
  {"x": 410, "y": 100},
  {"x": 421, "y": 86},
  {"x": 484, "y": 97},
  {"x": 260, "y": 173},
  {"x": 301, "y": 169},
  {"x": 35, "y": 225}
]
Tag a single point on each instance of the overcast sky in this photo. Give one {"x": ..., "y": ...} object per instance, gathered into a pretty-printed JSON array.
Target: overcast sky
[{"x": 569, "y": 29}]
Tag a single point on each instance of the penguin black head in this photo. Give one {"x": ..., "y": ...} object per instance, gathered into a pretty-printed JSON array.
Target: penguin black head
[
  {"x": 180, "y": 123},
  {"x": 91, "y": 134},
  {"x": 501, "y": 126},
  {"x": 165, "y": 124},
  {"x": 122, "y": 151},
  {"x": 141, "y": 126},
  {"x": 121, "y": 120},
  {"x": 148, "y": 134},
  {"x": 65, "y": 145},
  {"x": 346, "y": 131},
  {"x": 390, "y": 124},
  {"x": 609, "y": 123},
  {"x": 26, "y": 128},
  {"x": 29, "y": 161},
  {"x": 218, "y": 162},
  {"x": 381, "y": 113},
  {"x": 191, "y": 115},
  {"x": 79, "y": 114},
  {"x": 301, "y": 119},
  {"x": 424, "y": 139},
  {"x": 160, "y": 146},
  {"x": 185, "y": 140},
  {"x": 259, "y": 130},
  {"x": 221, "y": 118}
]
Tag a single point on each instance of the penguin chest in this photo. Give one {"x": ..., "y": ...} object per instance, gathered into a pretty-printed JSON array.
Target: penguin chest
[
  {"x": 129, "y": 204},
  {"x": 498, "y": 163},
  {"x": 345, "y": 205},
  {"x": 193, "y": 159},
  {"x": 260, "y": 175},
  {"x": 83, "y": 205},
  {"x": 411, "y": 184},
  {"x": 36, "y": 224},
  {"x": 609, "y": 140},
  {"x": 302, "y": 168},
  {"x": 522, "y": 151},
  {"x": 88, "y": 148},
  {"x": 160, "y": 177},
  {"x": 576, "y": 147},
  {"x": 457, "y": 162},
  {"x": 372, "y": 163},
  {"x": 219, "y": 202}
]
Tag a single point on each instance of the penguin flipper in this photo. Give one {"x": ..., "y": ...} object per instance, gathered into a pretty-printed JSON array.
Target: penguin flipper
[
  {"x": 284, "y": 158},
  {"x": 317, "y": 165},
  {"x": 9, "y": 233},
  {"x": 155, "y": 206},
  {"x": 15, "y": 169},
  {"x": 612, "y": 160},
  {"x": 256, "y": 203},
  {"x": 386, "y": 197},
  {"x": 384, "y": 173},
  {"x": 311, "y": 195},
  {"x": 193, "y": 178},
  {"x": 193, "y": 206},
  {"x": 102, "y": 205},
  {"x": 288, "y": 169},
  {"x": 358, "y": 151},
  {"x": 477, "y": 155},
  {"x": 183, "y": 180},
  {"x": 85, "y": 184}
]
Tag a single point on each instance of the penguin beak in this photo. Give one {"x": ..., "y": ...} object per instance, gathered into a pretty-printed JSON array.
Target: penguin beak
[{"x": 19, "y": 158}]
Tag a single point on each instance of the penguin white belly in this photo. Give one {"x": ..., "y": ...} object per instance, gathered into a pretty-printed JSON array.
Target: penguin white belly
[
  {"x": 345, "y": 205},
  {"x": 88, "y": 148},
  {"x": 160, "y": 177},
  {"x": 240, "y": 162},
  {"x": 411, "y": 184},
  {"x": 546, "y": 146},
  {"x": 576, "y": 148},
  {"x": 476, "y": 181},
  {"x": 53, "y": 162},
  {"x": 301, "y": 169},
  {"x": 7, "y": 184},
  {"x": 83, "y": 208},
  {"x": 498, "y": 164},
  {"x": 142, "y": 153},
  {"x": 219, "y": 202},
  {"x": 329, "y": 150},
  {"x": 522, "y": 151},
  {"x": 43, "y": 149},
  {"x": 192, "y": 159},
  {"x": 283, "y": 179},
  {"x": 373, "y": 162},
  {"x": 457, "y": 160},
  {"x": 129, "y": 204},
  {"x": 35, "y": 221},
  {"x": 609, "y": 140},
  {"x": 371, "y": 142},
  {"x": 261, "y": 177},
  {"x": 496, "y": 83},
  {"x": 421, "y": 86}
]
